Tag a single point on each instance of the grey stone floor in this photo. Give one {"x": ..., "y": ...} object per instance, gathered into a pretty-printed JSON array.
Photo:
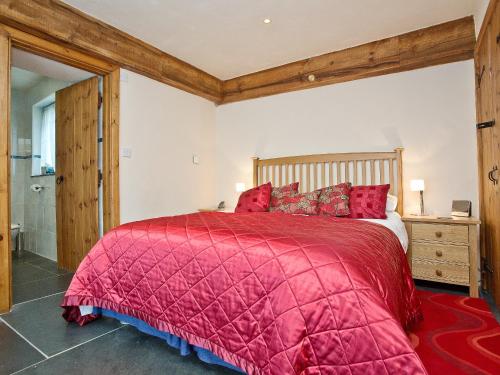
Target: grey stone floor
[
  {"x": 34, "y": 276},
  {"x": 35, "y": 339}
]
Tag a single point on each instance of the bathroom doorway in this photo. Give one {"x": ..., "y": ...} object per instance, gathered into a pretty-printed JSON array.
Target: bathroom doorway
[
  {"x": 11, "y": 40},
  {"x": 55, "y": 132}
]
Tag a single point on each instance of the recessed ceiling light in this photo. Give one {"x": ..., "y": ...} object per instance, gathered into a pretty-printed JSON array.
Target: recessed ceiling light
[{"x": 267, "y": 20}]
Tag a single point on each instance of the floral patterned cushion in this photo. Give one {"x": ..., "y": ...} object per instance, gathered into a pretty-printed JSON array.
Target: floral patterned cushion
[
  {"x": 368, "y": 202},
  {"x": 255, "y": 200},
  {"x": 305, "y": 204},
  {"x": 334, "y": 200},
  {"x": 278, "y": 193}
]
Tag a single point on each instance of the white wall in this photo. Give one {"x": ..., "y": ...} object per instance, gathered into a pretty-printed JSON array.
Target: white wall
[
  {"x": 164, "y": 127},
  {"x": 430, "y": 112},
  {"x": 479, "y": 13}
]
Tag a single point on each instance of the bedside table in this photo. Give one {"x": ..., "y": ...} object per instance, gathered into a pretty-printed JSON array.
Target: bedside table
[{"x": 445, "y": 250}]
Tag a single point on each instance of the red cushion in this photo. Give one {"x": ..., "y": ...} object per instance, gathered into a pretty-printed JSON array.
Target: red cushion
[
  {"x": 306, "y": 204},
  {"x": 278, "y": 193},
  {"x": 368, "y": 202},
  {"x": 255, "y": 200},
  {"x": 334, "y": 200}
]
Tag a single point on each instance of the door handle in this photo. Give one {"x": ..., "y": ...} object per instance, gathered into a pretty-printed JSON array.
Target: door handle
[
  {"x": 59, "y": 180},
  {"x": 486, "y": 124},
  {"x": 491, "y": 176}
]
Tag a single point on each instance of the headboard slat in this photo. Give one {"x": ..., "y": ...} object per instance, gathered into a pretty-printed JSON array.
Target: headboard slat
[
  {"x": 308, "y": 178},
  {"x": 391, "y": 176},
  {"x": 344, "y": 166},
  {"x": 372, "y": 170}
]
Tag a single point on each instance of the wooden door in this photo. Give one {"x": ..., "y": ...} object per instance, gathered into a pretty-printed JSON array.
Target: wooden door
[
  {"x": 76, "y": 171},
  {"x": 488, "y": 137},
  {"x": 5, "y": 256}
]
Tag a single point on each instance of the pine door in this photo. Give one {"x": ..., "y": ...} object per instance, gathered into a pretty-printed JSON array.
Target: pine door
[{"x": 76, "y": 172}]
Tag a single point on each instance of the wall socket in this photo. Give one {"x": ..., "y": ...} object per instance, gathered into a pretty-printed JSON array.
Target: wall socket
[{"x": 196, "y": 159}]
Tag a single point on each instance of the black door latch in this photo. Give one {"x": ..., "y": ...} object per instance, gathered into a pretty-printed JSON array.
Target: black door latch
[{"x": 487, "y": 124}]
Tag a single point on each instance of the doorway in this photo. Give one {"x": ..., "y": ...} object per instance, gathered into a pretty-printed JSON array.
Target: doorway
[
  {"x": 51, "y": 104},
  {"x": 110, "y": 131}
]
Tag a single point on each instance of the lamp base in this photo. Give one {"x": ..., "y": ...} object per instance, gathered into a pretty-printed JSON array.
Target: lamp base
[{"x": 419, "y": 214}]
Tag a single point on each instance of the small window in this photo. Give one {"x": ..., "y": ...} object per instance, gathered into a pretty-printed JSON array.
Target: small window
[
  {"x": 44, "y": 137},
  {"x": 48, "y": 139}
]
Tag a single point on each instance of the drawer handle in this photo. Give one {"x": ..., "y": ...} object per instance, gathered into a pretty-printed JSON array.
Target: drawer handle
[
  {"x": 439, "y": 234},
  {"x": 439, "y": 273},
  {"x": 439, "y": 253}
]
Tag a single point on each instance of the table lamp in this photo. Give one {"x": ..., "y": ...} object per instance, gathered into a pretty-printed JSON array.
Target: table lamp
[{"x": 418, "y": 185}]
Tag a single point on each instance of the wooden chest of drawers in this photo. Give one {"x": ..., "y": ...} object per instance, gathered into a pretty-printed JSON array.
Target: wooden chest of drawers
[{"x": 444, "y": 250}]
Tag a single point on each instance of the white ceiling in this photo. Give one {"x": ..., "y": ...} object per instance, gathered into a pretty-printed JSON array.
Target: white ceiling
[
  {"x": 36, "y": 67},
  {"x": 23, "y": 79},
  {"x": 228, "y": 38}
]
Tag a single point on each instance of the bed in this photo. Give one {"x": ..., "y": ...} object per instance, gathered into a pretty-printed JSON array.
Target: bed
[{"x": 264, "y": 293}]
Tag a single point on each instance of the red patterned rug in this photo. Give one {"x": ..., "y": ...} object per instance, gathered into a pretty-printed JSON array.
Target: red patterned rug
[{"x": 459, "y": 335}]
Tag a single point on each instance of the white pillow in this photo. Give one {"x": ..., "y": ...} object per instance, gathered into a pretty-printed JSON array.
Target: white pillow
[{"x": 392, "y": 203}]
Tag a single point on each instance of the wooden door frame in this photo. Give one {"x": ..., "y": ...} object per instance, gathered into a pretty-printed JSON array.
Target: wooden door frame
[
  {"x": 486, "y": 278},
  {"x": 57, "y": 51}
]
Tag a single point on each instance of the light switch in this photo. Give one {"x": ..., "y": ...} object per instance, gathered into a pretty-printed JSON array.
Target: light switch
[
  {"x": 196, "y": 159},
  {"x": 126, "y": 152}
]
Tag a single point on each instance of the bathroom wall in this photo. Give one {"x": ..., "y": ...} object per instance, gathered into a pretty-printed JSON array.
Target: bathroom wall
[
  {"x": 20, "y": 161},
  {"x": 36, "y": 212}
]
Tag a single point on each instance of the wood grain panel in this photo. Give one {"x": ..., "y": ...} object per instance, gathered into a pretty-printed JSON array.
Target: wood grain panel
[
  {"x": 441, "y": 233},
  {"x": 487, "y": 63},
  {"x": 488, "y": 16},
  {"x": 441, "y": 252},
  {"x": 474, "y": 261},
  {"x": 56, "y": 51},
  {"x": 493, "y": 211},
  {"x": 111, "y": 157},
  {"x": 441, "y": 272},
  {"x": 76, "y": 162},
  {"x": 440, "y": 44},
  {"x": 5, "y": 256},
  {"x": 54, "y": 20}
]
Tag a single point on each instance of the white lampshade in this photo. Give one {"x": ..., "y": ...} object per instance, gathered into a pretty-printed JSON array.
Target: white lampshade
[
  {"x": 240, "y": 187},
  {"x": 417, "y": 185}
]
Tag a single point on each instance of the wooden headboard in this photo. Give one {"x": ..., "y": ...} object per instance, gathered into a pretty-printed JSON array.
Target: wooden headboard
[{"x": 317, "y": 171}]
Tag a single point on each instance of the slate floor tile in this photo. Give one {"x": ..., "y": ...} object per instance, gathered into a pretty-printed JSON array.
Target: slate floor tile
[
  {"x": 26, "y": 256},
  {"x": 40, "y": 288},
  {"x": 41, "y": 323},
  {"x": 25, "y": 272},
  {"x": 15, "y": 353},
  {"x": 48, "y": 265},
  {"x": 126, "y": 351}
]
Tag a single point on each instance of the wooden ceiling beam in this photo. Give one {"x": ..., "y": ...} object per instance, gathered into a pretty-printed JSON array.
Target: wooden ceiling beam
[
  {"x": 55, "y": 21},
  {"x": 444, "y": 43}
]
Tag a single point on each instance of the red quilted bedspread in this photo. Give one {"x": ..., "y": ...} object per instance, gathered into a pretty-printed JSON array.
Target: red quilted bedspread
[{"x": 270, "y": 293}]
